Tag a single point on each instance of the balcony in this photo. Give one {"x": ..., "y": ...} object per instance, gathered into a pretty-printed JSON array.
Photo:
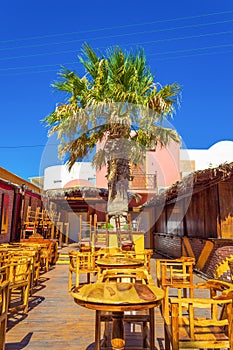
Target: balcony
[{"x": 143, "y": 182}]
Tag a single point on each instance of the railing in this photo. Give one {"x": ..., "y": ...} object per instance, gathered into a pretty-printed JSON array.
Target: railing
[{"x": 143, "y": 181}]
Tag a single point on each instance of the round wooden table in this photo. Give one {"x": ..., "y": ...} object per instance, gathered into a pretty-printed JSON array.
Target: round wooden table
[
  {"x": 117, "y": 298},
  {"x": 118, "y": 262}
]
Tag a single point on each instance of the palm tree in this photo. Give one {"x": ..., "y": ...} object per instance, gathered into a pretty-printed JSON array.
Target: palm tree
[{"x": 115, "y": 103}]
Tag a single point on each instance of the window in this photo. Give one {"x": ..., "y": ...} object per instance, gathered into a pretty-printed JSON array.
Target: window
[{"x": 4, "y": 213}]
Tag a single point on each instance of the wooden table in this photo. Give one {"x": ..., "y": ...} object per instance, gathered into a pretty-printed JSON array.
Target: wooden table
[
  {"x": 120, "y": 262},
  {"x": 117, "y": 298}
]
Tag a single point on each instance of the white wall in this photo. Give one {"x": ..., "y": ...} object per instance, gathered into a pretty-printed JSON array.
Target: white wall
[
  {"x": 219, "y": 153},
  {"x": 57, "y": 176}
]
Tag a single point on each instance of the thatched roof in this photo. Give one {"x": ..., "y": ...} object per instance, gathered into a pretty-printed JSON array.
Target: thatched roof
[
  {"x": 194, "y": 183},
  {"x": 83, "y": 192}
]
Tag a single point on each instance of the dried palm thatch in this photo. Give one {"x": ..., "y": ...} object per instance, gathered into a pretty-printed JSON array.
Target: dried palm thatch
[
  {"x": 84, "y": 192},
  {"x": 194, "y": 183},
  {"x": 76, "y": 192}
]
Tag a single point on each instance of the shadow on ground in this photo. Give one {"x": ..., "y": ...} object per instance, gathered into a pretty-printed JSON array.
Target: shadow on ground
[
  {"x": 135, "y": 343},
  {"x": 19, "y": 345},
  {"x": 15, "y": 316}
]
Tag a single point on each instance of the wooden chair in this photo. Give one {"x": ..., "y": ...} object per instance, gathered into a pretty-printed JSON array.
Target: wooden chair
[
  {"x": 85, "y": 234},
  {"x": 199, "y": 323},
  {"x": 31, "y": 222},
  {"x": 124, "y": 233},
  {"x": 174, "y": 274},
  {"x": 170, "y": 271},
  {"x": 126, "y": 275},
  {"x": 101, "y": 239},
  {"x": 4, "y": 273},
  {"x": 100, "y": 234},
  {"x": 20, "y": 282},
  {"x": 80, "y": 263},
  {"x": 30, "y": 252},
  {"x": 5, "y": 257},
  {"x": 4, "y": 300},
  {"x": 48, "y": 250},
  {"x": 144, "y": 255}
]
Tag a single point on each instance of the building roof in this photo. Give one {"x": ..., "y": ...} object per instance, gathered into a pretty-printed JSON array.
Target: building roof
[{"x": 16, "y": 180}]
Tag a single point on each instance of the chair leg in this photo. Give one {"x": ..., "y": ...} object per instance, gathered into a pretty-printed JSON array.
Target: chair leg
[
  {"x": 69, "y": 280},
  {"x": 2, "y": 334},
  {"x": 167, "y": 340},
  {"x": 145, "y": 334},
  {"x": 77, "y": 279}
]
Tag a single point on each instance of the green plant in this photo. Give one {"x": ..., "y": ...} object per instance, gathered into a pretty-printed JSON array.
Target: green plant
[{"x": 110, "y": 226}]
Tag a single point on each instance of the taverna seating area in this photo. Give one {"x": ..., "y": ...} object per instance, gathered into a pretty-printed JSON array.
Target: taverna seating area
[{"x": 108, "y": 298}]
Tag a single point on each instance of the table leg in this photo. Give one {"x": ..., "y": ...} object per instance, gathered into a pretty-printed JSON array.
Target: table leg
[
  {"x": 97, "y": 330},
  {"x": 118, "y": 342},
  {"x": 152, "y": 328}
]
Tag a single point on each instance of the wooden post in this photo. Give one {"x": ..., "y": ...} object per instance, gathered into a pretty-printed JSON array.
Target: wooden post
[
  {"x": 67, "y": 226},
  {"x": 60, "y": 229}
]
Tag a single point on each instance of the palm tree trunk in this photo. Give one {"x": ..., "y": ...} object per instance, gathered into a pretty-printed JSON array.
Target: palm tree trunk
[{"x": 117, "y": 175}]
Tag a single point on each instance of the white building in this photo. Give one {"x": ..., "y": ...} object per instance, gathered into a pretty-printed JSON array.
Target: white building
[
  {"x": 58, "y": 176},
  {"x": 200, "y": 159}
]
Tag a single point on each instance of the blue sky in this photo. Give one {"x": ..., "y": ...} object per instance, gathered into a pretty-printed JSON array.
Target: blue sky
[{"x": 189, "y": 42}]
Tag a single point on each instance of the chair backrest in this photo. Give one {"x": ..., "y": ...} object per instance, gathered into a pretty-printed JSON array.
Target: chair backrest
[
  {"x": 201, "y": 323},
  {"x": 101, "y": 239},
  {"x": 20, "y": 271},
  {"x": 85, "y": 227},
  {"x": 126, "y": 275},
  {"x": 81, "y": 261},
  {"x": 4, "y": 273},
  {"x": 5, "y": 257},
  {"x": 144, "y": 255}
]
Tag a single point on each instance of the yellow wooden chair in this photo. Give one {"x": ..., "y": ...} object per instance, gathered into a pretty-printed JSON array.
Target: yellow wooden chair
[
  {"x": 144, "y": 255},
  {"x": 31, "y": 253},
  {"x": 133, "y": 275},
  {"x": 174, "y": 274},
  {"x": 5, "y": 257},
  {"x": 20, "y": 283},
  {"x": 4, "y": 273},
  {"x": 4, "y": 300},
  {"x": 85, "y": 234},
  {"x": 100, "y": 234},
  {"x": 80, "y": 263},
  {"x": 185, "y": 329}
]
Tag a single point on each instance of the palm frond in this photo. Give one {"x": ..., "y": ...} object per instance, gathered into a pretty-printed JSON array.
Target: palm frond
[
  {"x": 99, "y": 159},
  {"x": 163, "y": 101},
  {"x": 97, "y": 106}
]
